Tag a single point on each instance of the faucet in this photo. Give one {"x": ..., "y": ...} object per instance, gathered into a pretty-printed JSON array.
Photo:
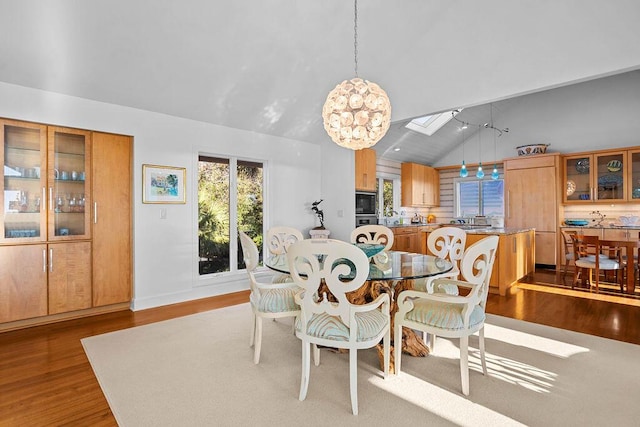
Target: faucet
[{"x": 601, "y": 218}]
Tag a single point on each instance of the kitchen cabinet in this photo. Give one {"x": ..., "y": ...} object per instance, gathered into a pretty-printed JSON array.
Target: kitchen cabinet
[
  {"x": 597, "y": 177},
  {"x": 420, "y": 185},
  {"x": 365, "y": 169},
  {"x": 515, "y": 258},
  {"x": 633, "y": 175},
  {"x": 406, "y": 239},
  {"x": 532, "y": 200},
  {"x": 53, "y": 267}
]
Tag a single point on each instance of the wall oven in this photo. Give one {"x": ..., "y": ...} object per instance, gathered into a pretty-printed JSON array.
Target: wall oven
[{"x": 365, "y": 203}]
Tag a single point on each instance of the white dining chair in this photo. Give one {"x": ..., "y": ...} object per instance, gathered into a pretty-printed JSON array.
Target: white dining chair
[
  {"x": 279, "y": 238},
  {"x": 339, "y": 324},
  {"x": 373, "y": 234},
  {"x": 452, "y": 316},
  {"x": 268, "y": 300},
  {"x": 446, "y": 243}
]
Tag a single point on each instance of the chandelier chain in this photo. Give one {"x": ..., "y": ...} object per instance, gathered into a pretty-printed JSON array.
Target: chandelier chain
[{"x": 355, "y": 35}]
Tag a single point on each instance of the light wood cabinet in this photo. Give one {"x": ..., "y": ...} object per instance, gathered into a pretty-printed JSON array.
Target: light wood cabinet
[
  {"x": 597, "y": 177},
  {"x": 365, "y": 169},
  {"x": 23, "y": 282},
  {"x": 69, "y": 277},
  {"x": 406, "y": 239},
  {"x": 515, "y": 258},
  {"x": 112, "y": 275},
  {"x": 65, "y": 238},
  {"x": 532, "y": 200},
  {"x": 420, "y": 185}
]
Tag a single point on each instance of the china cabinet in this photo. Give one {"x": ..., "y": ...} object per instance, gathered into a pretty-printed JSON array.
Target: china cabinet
[
  {"x": 420, "y": 185},
  {"x": 365, "y": 169},
  {"x": 51, "y": 264},
  {"x": 596, "y": 177}
]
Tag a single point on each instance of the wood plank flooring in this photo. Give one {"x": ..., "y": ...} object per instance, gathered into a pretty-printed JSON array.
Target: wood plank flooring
[{"x": 46, "y": 379}]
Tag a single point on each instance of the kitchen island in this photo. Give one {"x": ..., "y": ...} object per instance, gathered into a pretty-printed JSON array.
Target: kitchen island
[{"x": 515, "y": 257}]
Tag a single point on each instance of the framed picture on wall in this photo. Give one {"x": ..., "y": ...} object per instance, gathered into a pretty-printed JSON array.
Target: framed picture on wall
[{"x": 163, "y": 184}]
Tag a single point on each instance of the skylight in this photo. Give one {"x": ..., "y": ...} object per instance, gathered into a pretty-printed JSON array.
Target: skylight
[{"x": 429, "y": 125}]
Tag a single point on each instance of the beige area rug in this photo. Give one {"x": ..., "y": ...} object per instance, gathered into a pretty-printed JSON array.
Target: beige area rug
[{"x": 198, "y": 371}]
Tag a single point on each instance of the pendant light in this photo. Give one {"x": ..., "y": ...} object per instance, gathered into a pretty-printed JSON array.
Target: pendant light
[
  {"x": 357, "y": 113},
  {"x": 463, "y": 170},
  {"x": 494, "y": 175},
  {"x": 480, "y": 173}
]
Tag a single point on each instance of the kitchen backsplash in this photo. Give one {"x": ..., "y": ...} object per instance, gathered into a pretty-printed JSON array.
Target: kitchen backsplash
[{"x": 612, "y": 213}]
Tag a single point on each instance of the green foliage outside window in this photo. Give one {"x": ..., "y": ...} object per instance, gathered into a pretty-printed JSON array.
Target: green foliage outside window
[{"x": 214, "y": 212}]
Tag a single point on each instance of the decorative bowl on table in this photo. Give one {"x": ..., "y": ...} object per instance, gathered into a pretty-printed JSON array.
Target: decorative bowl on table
[
  {"x": 629, "y": 221},
  {"x": 531, "y": 149},
  {"x": 370, "y": 249},
  {"x": 576, "y": 222}
]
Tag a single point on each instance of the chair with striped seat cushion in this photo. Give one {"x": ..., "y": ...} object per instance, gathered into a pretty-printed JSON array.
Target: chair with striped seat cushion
[
  {"x": 335, "y": 322},
  {"x": 279, "y": 238},
  {"x": 373, "y": 234},
  {"x": 446, "y": 243},
  {"x": 268, "y": 300},
  {"x": 453, "y": 316}
]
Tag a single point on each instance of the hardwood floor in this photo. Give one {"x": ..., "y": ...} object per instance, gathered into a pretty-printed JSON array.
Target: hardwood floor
[{"x": 46, "y": 379}]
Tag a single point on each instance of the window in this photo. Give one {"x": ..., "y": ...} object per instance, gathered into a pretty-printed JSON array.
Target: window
[
  {"x": 388, "y": 193},
  {"x": 429, "y": 125},
  {"x": 479, "y": 197},
  {"x": 230, "y": 198}
]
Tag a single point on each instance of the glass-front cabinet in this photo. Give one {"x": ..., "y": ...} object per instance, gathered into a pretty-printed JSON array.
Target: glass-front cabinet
[
  {"x": 596, "y": 177},
  {"x": 69, "y": 158},
  {"x": 633, "y": 176},
  {"x": 45, "y": 185},
  {"x": 23, "y": 155}
]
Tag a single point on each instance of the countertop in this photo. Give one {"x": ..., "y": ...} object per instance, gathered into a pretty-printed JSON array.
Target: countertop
[
  {"x": 612, "y": 227},
  {"x": 488, "y": 230}
]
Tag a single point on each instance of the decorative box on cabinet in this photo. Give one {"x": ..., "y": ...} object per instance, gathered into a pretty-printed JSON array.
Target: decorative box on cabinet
[
  {"x": 420, "y": 185},
  {"x": 365, "y": 169}
]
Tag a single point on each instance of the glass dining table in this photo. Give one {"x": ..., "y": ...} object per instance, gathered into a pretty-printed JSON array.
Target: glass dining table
[{"x": 390, "y": 272}]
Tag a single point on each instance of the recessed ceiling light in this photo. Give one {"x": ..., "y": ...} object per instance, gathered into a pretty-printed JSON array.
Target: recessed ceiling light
[{"x": 396, "y": 149}]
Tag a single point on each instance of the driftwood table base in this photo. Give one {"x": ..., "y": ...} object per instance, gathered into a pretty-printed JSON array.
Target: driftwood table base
[{"x": 412, "y": 343}]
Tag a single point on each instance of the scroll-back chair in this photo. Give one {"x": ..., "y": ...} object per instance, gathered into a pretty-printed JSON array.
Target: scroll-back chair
[
  {"x": 268, "y": 300},
  {"x": 452, "y": 316},
  {"x": 343, "y": 268},
  {"x": 374, "y": 234},
  {"x": 279, "y": 239}
]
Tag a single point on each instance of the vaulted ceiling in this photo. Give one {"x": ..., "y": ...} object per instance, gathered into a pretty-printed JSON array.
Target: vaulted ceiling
[{"x": 267, "y": 65}]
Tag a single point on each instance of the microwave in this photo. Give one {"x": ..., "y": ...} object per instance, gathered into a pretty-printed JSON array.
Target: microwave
[{"x": 365, "y": 203}]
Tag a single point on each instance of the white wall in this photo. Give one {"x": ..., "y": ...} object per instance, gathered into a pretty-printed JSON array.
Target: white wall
[
  {"x": 592, "y": 115},
  {"x": 165, "y": 250}
]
